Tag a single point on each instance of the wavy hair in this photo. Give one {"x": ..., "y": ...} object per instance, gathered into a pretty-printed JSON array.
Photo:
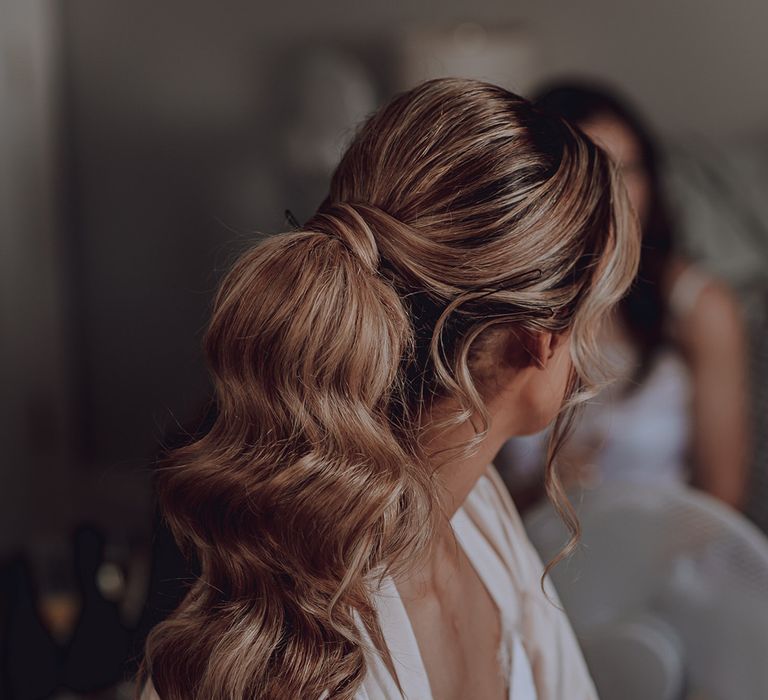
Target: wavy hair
[
  {"x": 644, "y": 309},
  {"x": 458, "y": 214}
]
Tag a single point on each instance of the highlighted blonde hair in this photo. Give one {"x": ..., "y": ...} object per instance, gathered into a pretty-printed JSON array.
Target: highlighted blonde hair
[{"x": 458, "y": 213}]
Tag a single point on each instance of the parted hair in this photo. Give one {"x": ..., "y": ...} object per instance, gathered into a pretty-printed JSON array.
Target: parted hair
[{"x": 457, "y": 214}]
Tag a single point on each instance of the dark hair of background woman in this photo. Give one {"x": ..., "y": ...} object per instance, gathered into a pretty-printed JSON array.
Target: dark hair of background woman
[{"x": 644, "y": 309}]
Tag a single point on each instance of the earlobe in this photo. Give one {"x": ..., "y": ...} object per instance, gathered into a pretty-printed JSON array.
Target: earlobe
[
  {"x": 554, "y": 343},
  {"x": 544, "y": 348}
]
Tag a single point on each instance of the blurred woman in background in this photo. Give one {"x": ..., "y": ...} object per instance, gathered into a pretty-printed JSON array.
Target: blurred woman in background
[
  {"x": 354, "y": 541},
  {"x": 680, "y": 415}
]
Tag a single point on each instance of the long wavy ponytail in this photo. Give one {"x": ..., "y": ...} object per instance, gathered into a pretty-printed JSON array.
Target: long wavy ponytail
[
  {"x": 300, "y": 473},
  {"x": 457, "y": 211}
]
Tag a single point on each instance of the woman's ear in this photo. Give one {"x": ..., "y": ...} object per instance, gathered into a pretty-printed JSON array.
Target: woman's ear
[
  {"x": 525, "y": 348},
  {"x": 544, "y": 345}
]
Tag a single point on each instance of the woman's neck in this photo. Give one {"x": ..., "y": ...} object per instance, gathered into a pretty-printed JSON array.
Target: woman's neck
[{"x": 458, "y": 475}]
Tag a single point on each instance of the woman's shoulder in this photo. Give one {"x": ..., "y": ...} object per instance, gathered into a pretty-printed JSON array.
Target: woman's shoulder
[
  {"x": 556, "y": 661},
  {"x": 491, "y": 498},
  {"x": 691, "y": 290},
  {"x": 684, "y": 283},
  {"x": 705, "y": 309},
  {"x": 492, "y": 511}
]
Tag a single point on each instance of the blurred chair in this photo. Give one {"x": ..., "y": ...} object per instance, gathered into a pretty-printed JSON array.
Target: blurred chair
[{"x": 668, "y": 592}]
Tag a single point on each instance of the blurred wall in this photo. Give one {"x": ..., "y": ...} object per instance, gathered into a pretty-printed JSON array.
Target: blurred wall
[
  {"x": 35, "y": 420},
  {"x": 693, "y": 64}
]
